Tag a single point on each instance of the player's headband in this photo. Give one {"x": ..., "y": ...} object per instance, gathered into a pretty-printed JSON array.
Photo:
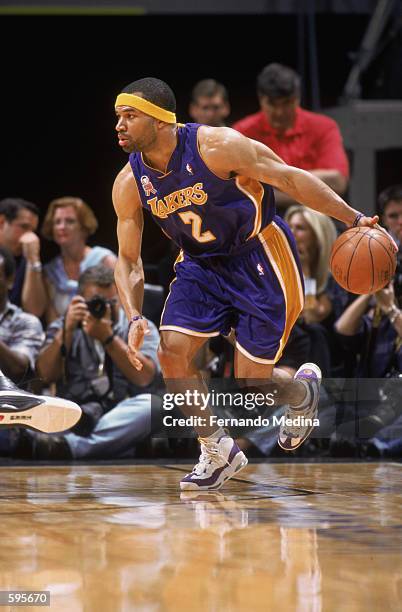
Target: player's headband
[{"x": 126, "y": 99}]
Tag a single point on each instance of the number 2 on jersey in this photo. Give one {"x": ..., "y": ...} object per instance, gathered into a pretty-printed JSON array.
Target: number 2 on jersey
[{"x": 195, "y": 220}]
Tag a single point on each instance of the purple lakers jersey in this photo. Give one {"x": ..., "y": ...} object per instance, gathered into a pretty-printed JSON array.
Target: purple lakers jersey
[{"x": 203, "y": 214}]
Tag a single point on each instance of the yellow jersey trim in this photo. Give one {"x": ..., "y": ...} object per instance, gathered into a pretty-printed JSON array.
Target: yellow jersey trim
[
  {"x": 255, "y": 191},
  {"x": 280, "y": 255}
]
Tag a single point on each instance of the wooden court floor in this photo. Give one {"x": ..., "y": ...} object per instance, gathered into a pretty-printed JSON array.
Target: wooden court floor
[{"x": 281, "y": 537}]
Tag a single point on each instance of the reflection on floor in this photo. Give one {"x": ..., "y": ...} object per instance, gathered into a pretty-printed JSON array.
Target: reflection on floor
[{"x": 297, "y": 537}]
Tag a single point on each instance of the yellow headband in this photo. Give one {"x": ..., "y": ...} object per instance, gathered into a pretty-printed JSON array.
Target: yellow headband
[{"x": 125, "y": 99}]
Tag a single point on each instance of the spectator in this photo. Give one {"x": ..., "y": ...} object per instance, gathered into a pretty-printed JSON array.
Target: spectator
[
  {"x": 315, "y": 234},
  {"x": 18, "y": 222},
  {"x": 390, "y": 205},
  {"x": 372, "y": 328},
  {"x": 21, "y": 334},
  {"x": 209, "y": 103},
  {"x": 310, "y": 141},
  {"x": 69, "y": 222},
  {"x": 374, "y": 332},
  {"x": 85, "y": 354}
]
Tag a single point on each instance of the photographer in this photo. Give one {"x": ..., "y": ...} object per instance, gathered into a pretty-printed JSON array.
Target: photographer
[{"x": 85, "y": 354}]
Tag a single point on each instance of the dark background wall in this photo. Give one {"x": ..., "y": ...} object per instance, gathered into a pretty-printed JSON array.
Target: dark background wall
[{"x": 60, "y": 76}]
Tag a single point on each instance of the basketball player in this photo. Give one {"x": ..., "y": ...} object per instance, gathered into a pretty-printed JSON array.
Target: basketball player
[{"x": 211, "y": 191}]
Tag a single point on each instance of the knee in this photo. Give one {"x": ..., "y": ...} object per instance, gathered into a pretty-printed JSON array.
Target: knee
[{"x": 173, "y": 361}]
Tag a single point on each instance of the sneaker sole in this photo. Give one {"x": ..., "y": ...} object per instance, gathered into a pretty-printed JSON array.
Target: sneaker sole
[
  {"x": 237, "y": 464},
  {"x": 52, "y": 415},
  {"x": 290, "y": 450}
]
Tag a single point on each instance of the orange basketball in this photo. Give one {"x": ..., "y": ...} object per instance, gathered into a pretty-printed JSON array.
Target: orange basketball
[{"x": 363, "y": 260}]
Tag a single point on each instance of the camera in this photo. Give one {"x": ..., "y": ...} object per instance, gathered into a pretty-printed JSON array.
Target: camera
[{"x": 97, "y": 306}]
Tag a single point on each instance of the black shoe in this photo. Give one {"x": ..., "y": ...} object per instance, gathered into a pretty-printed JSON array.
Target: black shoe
[
  {"x": 41, "y": 412},
  {"x": 50, "y": 447}
]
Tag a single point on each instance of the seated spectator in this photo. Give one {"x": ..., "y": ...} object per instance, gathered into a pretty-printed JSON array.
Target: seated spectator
[
  {"x": 18, "y": 223},
  {"x": 21, "y": 337},
  {"x": 390, "y": 208},
  {"x": 69, "y": 222},
  {"x": 209, "y": 103},
  {"x": 85, "y": 354},
  {"x": 374, "y": 332},
  {"x": 308, "y": 140},
  {"x": 21, "y": 334},
  {"x": 315, "y": 234},
  {"x": 371, "y": 327}
]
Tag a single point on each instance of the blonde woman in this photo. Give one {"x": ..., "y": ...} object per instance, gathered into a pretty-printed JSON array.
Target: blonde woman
[
  {"x": 314, "y": 234},
  {"x": 69, "y": 222}
]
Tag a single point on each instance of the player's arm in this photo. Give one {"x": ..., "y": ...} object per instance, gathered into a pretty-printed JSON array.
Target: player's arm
[
  {"x": 226, "y": 151},
  {"x": 129, "y": 272}
]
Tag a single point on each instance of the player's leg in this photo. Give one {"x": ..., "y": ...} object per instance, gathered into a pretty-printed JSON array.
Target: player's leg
[
  {"x": 176, "y": 353},
  {"x": 273, "y": 285},
  {"x": 220, "y": 456},
  {"x": 40, "y": 412},
  {"x": 197, "y": 309},
  {"x": 300, "y": 394}
]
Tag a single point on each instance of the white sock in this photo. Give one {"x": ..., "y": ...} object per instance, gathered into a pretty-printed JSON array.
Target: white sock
[{"x": 307, "y": 399}]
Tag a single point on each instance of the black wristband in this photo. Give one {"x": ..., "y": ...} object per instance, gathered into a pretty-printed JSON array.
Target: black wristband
[
  {"x": 357, "y": 219},
  {"x": 109, "y": 339}
]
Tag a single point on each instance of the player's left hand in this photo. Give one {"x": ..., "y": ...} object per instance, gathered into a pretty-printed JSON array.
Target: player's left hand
[
  {"x": 373, "y": 222},
  {"x": 368, "y": 221}
]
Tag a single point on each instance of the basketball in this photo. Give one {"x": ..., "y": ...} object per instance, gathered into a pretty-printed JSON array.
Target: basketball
[{"x": 363, "y": 260}]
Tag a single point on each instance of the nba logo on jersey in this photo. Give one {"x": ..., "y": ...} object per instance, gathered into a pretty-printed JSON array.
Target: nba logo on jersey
[
  {"x": 147, "y": 186},
  {"x": 260, "y": 269},
  {"x": 189, "y": 169}
]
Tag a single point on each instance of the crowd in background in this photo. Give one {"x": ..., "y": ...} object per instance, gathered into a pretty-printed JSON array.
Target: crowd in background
[{"x": 63, "y": 331}]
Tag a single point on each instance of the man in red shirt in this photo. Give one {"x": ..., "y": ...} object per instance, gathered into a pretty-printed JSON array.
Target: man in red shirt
[{"x": 301, "y": 138}]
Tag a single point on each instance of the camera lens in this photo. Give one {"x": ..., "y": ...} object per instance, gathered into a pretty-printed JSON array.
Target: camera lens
[{"x": 97, "y": 306}]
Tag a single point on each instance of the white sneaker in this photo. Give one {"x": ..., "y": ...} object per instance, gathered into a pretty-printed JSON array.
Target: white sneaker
[
  {"x": 218, "y": 462},
  {"x": 40, "y": 412},
  {"x": 292, "y": 436}
]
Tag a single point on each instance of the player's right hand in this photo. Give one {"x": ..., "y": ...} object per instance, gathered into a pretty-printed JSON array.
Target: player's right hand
[{"x": 138, "y": 329}]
